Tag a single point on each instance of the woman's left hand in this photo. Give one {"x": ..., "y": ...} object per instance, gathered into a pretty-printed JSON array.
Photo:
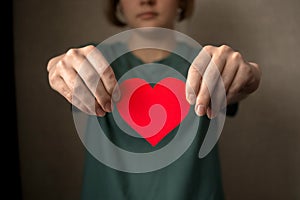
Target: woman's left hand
[{"x": 240, "y": 78}]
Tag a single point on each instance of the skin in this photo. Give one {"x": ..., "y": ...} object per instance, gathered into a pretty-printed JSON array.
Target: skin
[
  {"x": 150, "y": 13},
  {"x": 240, "y": 77}
]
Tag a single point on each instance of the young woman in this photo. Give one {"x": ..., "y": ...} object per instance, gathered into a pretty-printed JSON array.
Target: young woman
[{"x": 186, "y": 178}]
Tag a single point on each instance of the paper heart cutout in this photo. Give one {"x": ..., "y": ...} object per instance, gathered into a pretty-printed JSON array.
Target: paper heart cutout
[{"x": 153, "y": 112}]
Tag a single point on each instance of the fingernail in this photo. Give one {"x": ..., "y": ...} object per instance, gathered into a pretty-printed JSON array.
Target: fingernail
[
  {"x": 191, "y": 98},
  {"x": 116, "y": 94},
  {"x": 108, "y": 107},
  {"x": 200, "y": 110},
  {"x": 209, "y": 113}
]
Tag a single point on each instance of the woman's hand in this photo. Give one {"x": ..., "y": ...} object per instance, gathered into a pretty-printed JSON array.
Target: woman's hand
[
  {"x": 85, "y": 79},
  {"x": 240, "y": 78}
]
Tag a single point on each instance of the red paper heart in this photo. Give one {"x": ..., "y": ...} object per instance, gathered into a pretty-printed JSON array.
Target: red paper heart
[{"x": 153, "y": 112}]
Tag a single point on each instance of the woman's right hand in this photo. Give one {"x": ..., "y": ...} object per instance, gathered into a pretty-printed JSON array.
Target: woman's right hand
[{"x": 85, "y": 79}]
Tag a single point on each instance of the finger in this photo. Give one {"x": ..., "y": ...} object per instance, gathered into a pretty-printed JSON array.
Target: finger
[
  {"x": 220, "y": 93},
  {"x": 103, "y": 97},
  {"x": 254, "y": 75},
  {"x": 91, "y": 111},
  {"x": 52, "y": 62},
  {"x": 75, "y": 84},
  {"x": 78, "y": 91},
  {"x": 193, "y": 83},
  {"x": 99, "y": 111},
  {"x": 110, "y": 83},
  {"x": 218, "y": 100},
  {"x": 80, "y": 106},
  {"x": 98, "y": 61},
  {"x": 90, "y": 77},
  {"x": 94, "y": 83},
  {"x": 83, "y": 67},
  {"x": 61, "y": 87},
  {"x": 83, "y": 96},
  {"x": 210, "y": 80},
  {"x": 202, "y": 100},
  {"x": 228, "y": 74},
  {"x": 195, "y": 74},
  {"x": 239, "y": 82}
]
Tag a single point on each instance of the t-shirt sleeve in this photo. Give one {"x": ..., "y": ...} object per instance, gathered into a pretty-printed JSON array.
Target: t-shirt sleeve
[{"x": 232, "y": 109}]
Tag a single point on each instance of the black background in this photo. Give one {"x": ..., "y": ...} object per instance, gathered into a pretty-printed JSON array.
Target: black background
[{"x": 11, "y": 182}]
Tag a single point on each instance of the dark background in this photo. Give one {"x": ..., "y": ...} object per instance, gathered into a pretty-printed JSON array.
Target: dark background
[{"x": 11, "y": 182}]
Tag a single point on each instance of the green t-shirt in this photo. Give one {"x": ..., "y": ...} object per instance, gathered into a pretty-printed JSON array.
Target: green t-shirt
[{"x": 187, "y": 178}]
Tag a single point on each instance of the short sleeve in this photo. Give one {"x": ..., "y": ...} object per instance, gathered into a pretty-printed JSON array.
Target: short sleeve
[{"x": 232, "y": 109}]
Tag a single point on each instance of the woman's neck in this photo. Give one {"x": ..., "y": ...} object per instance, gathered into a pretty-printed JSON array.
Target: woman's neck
[{"x": 151, "y": 45}]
